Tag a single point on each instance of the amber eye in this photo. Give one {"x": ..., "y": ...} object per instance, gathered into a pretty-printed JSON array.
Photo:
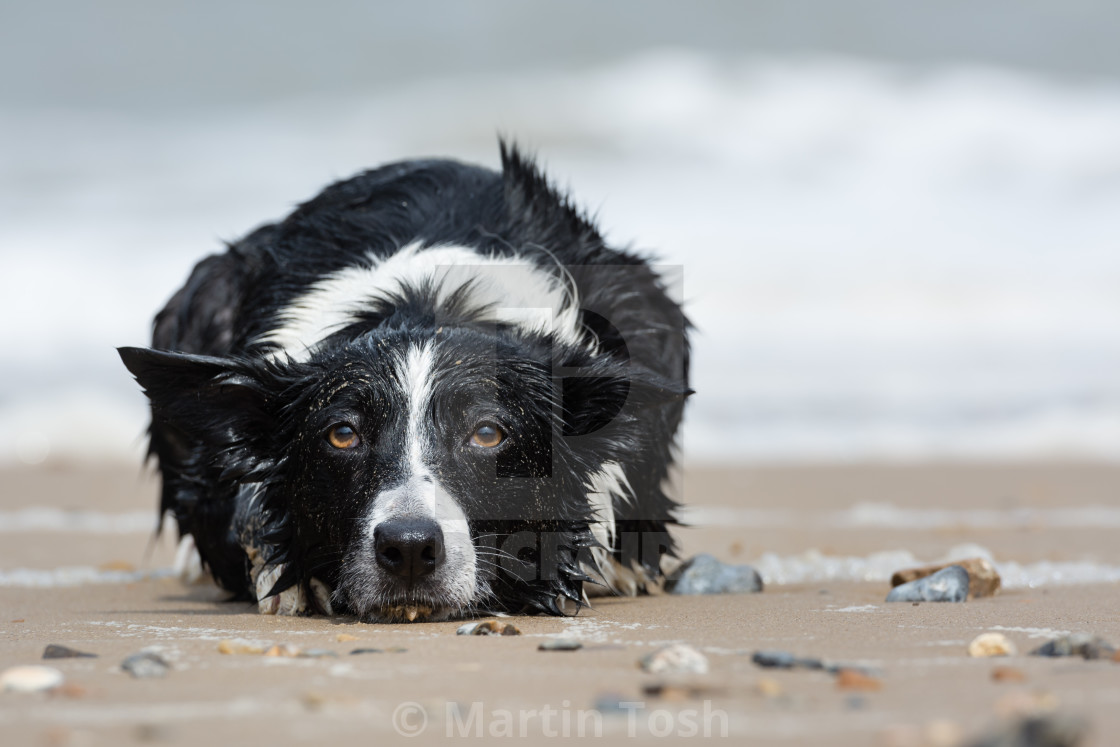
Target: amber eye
[
  {"x": 487, "y": 436},
  {"x": 343, "y": 436}
]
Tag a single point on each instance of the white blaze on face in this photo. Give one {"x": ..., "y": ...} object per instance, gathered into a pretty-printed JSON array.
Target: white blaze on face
[{"x": 420, "y": 493}]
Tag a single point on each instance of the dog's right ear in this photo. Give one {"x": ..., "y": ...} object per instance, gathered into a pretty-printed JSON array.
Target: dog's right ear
[{"x": 227, "y": 403}]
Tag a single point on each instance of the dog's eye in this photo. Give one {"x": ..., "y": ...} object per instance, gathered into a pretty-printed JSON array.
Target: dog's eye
[
  {"x": 343, "y": 436},
  {"x": 487, "y": 436}
]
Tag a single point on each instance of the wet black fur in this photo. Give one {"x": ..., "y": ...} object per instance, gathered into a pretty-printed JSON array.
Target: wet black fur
[{"x": 229, "y": 423}]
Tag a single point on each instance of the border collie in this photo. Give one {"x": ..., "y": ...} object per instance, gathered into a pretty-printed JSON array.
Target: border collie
[{"x": 431, "y": 391}]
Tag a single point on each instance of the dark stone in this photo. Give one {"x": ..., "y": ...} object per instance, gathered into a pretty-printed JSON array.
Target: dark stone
[
  {"x": 54, "y": 651},
  {"x": 1037, "y": 731},
  {"x": 366, "y": 651},
  {"x": 784, "y": 660},
  {"x": 947, "y": 585},
  {"x": 560, "y": 644},
  {"x": 145, "y": 665},
  {"x": 705, "y": 574},
  {"x": 1077, "y": 644}
]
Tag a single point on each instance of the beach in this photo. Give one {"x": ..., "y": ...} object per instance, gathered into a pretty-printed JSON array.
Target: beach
[{"x": 76, "y": 570}]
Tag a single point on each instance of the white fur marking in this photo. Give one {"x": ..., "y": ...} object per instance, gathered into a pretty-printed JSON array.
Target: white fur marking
[
  {"x": 511, "y": 290},
  {"x": 188, "y": 563},
  {"x": 417, "y": 382},
  {"x": 606, "y": 486}
]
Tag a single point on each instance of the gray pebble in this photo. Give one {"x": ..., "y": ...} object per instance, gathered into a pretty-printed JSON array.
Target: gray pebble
[
  {"x": 560, "y": 644},
  {"x": 317, "y": 653},
  {"x": 705, "y": 574},
  {"x": 145, "y": 665},
  {"x": 366, "y": 651},
  {"x": 54, "y": 651},
  {"x": 1077, "y": 644},
  {"x": 612, "y": 704},
  {"x": 1052, "y": 730},
  {"x": 947, "y": 585},
  {"x": 784, "y": 660}
]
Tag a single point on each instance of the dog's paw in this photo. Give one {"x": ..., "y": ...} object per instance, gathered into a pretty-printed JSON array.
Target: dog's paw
[{"x": 297, "y": 600}]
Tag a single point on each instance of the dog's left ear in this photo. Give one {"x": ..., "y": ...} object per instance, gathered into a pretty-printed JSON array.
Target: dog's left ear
[
  {"x": 601, "y": 398},
  {"x": 228, "y": 403}
]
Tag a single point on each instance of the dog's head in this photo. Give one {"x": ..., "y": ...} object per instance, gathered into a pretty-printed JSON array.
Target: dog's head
[{"x": 420, "y": 474}]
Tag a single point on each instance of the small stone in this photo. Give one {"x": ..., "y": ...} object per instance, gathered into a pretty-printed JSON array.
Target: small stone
[
  {"x": 145, "y": 665},
  {"x": 853, "y": 679},
  {"x": 317, "y": 653},
  {"x": 242, "y": 646},
  {"x": 31, "y": 679},
  {"x": 1085, "y": 645},
  {"x": 611, "y": 704},
  {"x": 774, "y": 659},
  {"x": 71, "y": 690},
  {"x": 345, "y": 637},
  {"x": 947, "y": 585},
  {"x": 396, "y": 650},
  {"x": 285, "y": 650},
  {"x": 55, "y": 651},
  {"x": 490, "y": 627},
  {"x": 119, "y": 566},
  {"x": 983, "y": 579},
  {"x": 784, "y": 660},
  {"x": 359, "y": 651},
  {"x": 704, "y": 574},
  {"x": 677, "y": 691},
  {"x": 1008, "y": 674},
  {"x": 1048, "y": 730},
  {"x": 679, "y": 658},
  {"x": 768, "y": 688},
  {"x": 991, "y": 644},
  {"x": 560, "y": 644}
]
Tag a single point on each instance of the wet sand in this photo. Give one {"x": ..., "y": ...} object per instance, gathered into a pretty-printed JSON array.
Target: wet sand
[{"x": 932, "y": 692}]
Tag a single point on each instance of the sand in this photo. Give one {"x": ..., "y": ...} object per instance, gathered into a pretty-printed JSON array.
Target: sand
[{"x": 930, "y": 692}]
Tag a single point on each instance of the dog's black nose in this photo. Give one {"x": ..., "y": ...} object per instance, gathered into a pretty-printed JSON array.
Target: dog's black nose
[{"x": 409, "y": 547}]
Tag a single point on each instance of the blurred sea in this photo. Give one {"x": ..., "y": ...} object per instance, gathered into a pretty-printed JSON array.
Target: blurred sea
[{"x": 883, "y": 261}]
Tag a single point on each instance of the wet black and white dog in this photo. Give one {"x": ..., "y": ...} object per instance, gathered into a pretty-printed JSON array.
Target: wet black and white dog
[{"x": 430, "y": 391}]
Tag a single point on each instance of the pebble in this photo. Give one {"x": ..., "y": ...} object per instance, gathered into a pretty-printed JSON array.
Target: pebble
[
  {"x": 345, "y": 637},
  {"x": 1051, "y": 730},
  {"x": 950, "y": 584},
  {"x": 560, "y": 644},
  {"x": 145, "y": 665},
  {"x": 768, "y": 688},
  {"x": 283, "y": 649},
  {"x": 853, "y": 679},
  {"x": 55, "y": 651},
  {"x": 991, "y": 644},
  {"x": 611, "y": 704},
  {"x": 242, "y": 646},
  {"x": 1085, "y": 645},
  {"x": 317, "y": 653},
  {"x": 1008, "y": 674},
  {"x": 704, "y": 574},
  {"x": 676, "y": 691},
  {"x": 31, "y": 679},
  {"x": 366, "y": 651},
  {"x": 983, "y": 579},
  {"x": 490, "y": 627},
  {"x": 784, "y": 660},
  {"x": 679, "y": 658}
]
